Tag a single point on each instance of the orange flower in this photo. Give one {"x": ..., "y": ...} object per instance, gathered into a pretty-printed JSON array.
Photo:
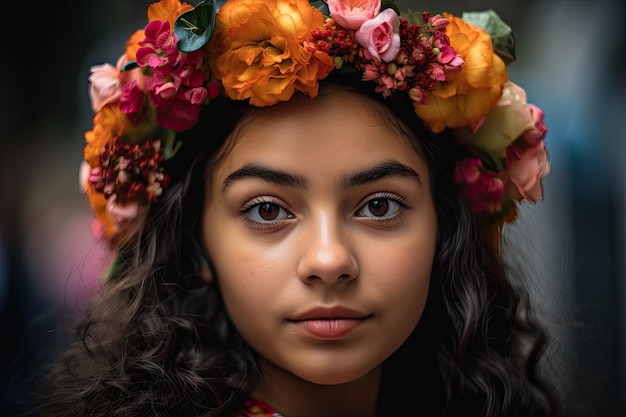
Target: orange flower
[
  {"x": 160, "y": 10},
  {"x": 109, "y": 123},
  {"x": 256, "y": 50},
  {"x": 104, "y": 222},
  {"x": 167, "y": 10},
  {"x": 466, "y": 97},
  {"x": 132, "y": 44}
]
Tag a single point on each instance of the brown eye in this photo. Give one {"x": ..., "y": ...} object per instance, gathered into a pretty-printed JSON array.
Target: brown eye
[
  {"x": 378, "y": 207},
  {"x": 382, "y": 207},
  {"x": 264, "y": 210},
  {"x": 269, "y": 211}
]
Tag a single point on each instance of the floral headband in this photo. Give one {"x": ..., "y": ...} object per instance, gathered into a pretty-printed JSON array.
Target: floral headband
[{"x": 263, "y": 51}]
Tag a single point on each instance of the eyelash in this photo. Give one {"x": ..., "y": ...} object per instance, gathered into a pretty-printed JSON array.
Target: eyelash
[
  {"x": 270, "y": 224},
  {"x": 257, "y": 202},
  {"x": 389, "y": 196}
]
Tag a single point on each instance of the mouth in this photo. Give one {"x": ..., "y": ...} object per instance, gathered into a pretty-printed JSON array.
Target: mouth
[{"x": 329, "y": 323}]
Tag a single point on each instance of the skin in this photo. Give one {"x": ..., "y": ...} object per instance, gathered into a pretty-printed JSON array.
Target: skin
[{"x": 305, "y": 238}]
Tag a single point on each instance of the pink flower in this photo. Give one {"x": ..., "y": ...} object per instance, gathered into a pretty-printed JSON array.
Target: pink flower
[
  {"x": 351, "y": 14},
  {"x": 180, "y": 115},
  {"x": 196, "y": 95},
  {"x": 438, "y": 22},
  {"x": 380, "y": 36},
  {"x": 535, "y": 134},
  {"x": 132, "y": 99},
  {"x": 176, "y": 86},
  {"x": 159, "y": 47},
  {"x": 525, "y": 170},
  {"x": 418, "y": 95},
  {"x": 213, "y": 89},
  {"x": 482, "y": 188},
  {"x": 122, "y": 214},
  {"x": 508, "y": 121},
  {"x": 107, "y": 82}
]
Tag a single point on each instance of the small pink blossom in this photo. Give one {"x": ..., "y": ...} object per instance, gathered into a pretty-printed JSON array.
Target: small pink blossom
[
  {"x": 213, "y": 89},
  {"x": 482, "y": 188},
  {"x": 436, "y": 72},
  {"x": 159, "y": 47},
  {"x": 438, "y": 22},
  {"x": 418, "y": 95},
  {"x": 107, "y": 82},
  {"x": 180, "y": 115},
  {"x": 176, "y": 86},
  {"x": 370, "y": 72},
  {"x": 380, "y": 36},
  {"x": 133, "y": 99},
  {"x": 526, "y": 167},
  {"x": 351, "y": 14},
  {"x": 535, "y": 134},
  {"x": 196, "y": 95}
]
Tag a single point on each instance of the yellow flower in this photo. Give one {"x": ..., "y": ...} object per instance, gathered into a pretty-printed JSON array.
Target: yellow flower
[
  {"x": 465, "y": 97},
  {"x": 256, "y": 50}
]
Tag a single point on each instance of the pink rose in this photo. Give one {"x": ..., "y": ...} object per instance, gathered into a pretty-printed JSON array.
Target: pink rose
[
  {"x": 380, "y": 36},
  {"x": 351, "y": 14},
  {"x": 482, "y": 188},
  {"x": 535, "y": 134},
  {"x": 104, "y": 85},
  {"x": 525, "y": 169},
  {"x": 508, "y": 121},
  {"x": 107, "y": 82}
]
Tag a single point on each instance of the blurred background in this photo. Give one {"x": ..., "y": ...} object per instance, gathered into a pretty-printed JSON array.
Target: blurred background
[{"x": 569, "y": 60}]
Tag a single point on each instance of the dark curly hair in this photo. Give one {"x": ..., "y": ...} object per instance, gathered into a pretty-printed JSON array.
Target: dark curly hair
[{"x": 157, "y": 340}]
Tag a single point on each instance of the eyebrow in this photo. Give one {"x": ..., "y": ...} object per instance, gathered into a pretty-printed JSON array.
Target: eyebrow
[
  {"x": 389, "y": 168},
  {"x": 271, "y": 175}
]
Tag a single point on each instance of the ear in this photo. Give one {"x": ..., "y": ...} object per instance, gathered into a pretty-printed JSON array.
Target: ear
[{"x": 206, "y": 272}]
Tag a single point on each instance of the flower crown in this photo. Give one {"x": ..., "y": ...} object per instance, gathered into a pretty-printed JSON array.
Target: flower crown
[{"x": 263, "y": 51}]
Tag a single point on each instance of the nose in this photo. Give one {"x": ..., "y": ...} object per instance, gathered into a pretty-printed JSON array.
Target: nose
[{"x": 327, "y": 255}]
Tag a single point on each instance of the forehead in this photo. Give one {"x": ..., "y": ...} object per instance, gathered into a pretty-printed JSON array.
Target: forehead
[{"x": 336, "y": 121}]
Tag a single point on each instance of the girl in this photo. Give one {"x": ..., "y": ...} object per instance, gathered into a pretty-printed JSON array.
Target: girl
[{"x": 305, "y": 208}]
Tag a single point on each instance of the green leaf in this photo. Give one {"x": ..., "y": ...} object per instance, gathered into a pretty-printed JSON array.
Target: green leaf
[
  {"x": 501, "y": 34},
  {"x": 130, "y": 65},
  {"x": 195, "y": 27},
  {"x": 321, "y": 6},
  {"x": 413, "y": 17},
  {"x": 169, "y": 144},
  {"x": 390, "y": 4}
]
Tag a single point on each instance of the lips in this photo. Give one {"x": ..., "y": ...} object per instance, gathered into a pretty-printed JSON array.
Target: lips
[{"x": 329, "y": 323}]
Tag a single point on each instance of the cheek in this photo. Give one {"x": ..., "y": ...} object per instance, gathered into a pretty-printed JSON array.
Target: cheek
[
  {"x": 405, "y": 272},
  {"x": 236, "y": 273},
  {"x": 248, "y": 278}
]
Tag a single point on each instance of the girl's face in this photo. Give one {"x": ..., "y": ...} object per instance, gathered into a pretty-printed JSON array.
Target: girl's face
[{"x": 321, "y": 228}]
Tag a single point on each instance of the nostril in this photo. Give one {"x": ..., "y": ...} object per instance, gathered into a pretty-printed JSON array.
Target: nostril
[{"x": 345, "y": 277}]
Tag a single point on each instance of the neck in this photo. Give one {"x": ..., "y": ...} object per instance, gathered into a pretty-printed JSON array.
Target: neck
[{"x": 293, "y": 396}]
